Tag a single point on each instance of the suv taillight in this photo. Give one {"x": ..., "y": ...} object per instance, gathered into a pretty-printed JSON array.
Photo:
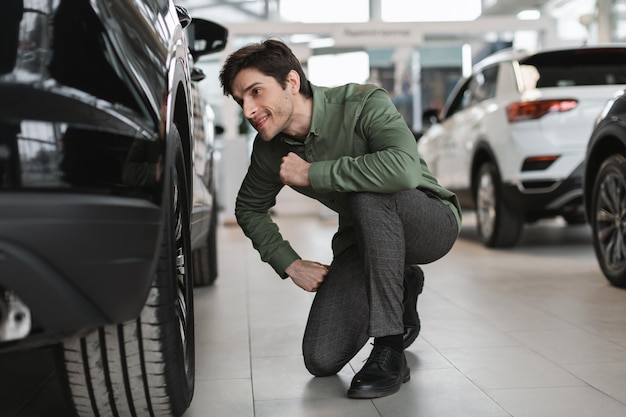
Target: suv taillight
[{"x": 529, "y": 110}]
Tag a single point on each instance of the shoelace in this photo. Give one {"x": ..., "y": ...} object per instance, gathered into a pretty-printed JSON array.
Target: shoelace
[{"x": 381, "y": 356}]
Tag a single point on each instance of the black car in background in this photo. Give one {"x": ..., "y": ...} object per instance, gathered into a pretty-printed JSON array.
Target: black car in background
[
  {"x": 605, "y": 189},
  {"x": 105, "y": 209}
]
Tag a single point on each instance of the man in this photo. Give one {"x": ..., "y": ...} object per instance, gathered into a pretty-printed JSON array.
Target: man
[{"x": 350, "y": 149}]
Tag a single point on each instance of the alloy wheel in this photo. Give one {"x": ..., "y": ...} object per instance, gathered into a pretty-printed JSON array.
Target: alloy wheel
[
  {"x": 610, "y": 218},
  {"x": 486, "y": 204}
]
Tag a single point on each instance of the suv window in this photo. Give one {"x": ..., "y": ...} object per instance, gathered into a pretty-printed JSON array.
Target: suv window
[
  {"x": 480, "y": 86},
  {"x": 487, "y": 83},
  {"x": 576, "y": 67}
]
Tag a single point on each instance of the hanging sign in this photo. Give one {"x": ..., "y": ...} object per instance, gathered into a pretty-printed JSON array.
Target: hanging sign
[{"x": 377, "y": 34}]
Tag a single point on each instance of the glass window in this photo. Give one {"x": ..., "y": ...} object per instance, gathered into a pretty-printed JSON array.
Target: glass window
[
  {"x": 490, "y": 76},
  {"x": 461, "y": 100},
  {"x": 480, "y": 86},
  {"x": 588, "y": 66}
]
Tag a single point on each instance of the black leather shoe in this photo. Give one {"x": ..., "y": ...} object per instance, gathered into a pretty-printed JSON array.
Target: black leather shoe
[
  {"x": 383, "y": 374},
  {"x": 413, "y": 285}
]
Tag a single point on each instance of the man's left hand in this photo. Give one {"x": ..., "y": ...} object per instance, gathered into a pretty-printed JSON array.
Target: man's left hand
[{"x": 294, "y": 170}]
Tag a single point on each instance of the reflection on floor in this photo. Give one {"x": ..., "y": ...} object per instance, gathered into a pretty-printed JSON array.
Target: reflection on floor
[{"x": 534, "y": 331}]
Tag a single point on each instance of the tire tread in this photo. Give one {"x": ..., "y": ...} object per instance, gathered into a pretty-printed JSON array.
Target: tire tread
[{"x": 131, "y": 369}]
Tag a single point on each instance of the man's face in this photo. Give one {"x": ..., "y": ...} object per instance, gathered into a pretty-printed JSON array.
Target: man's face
[{"x": 267, "y": 106}]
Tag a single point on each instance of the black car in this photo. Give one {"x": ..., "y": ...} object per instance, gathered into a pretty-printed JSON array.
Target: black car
[
  {"x": 605, "y": 189},
  {"x": 105, "y": 214}
]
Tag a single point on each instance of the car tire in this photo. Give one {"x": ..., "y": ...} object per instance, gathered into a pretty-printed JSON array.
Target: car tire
[
  {"x": 205, "y": 258},
  {"x": 608, "y": 223},
  {"x": 498, "y": 225},
  {"x": 146, "y": 366}
]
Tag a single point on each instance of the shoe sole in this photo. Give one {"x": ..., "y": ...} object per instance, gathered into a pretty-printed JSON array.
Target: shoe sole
[{"x": 366, "y": 394}]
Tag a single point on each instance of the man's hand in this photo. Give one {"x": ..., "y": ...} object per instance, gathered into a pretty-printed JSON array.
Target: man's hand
[
  {"x": 294, "y": 170},
  {"x": 307, "y": 275}
]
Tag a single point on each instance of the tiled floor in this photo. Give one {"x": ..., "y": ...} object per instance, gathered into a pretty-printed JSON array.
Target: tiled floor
[{"x": 534, "y": 331}]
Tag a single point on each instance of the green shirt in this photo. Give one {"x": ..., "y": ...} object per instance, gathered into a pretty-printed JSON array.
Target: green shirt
[{"x": 358, "y": 142}]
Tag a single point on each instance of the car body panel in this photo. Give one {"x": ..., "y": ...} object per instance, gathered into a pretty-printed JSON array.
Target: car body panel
[{"x": 90, "y": 92}]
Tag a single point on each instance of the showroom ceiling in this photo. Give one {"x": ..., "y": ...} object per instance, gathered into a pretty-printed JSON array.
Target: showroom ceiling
[
  {"x": 512, "y": 7},
  {"x": 250, "y": 10}
]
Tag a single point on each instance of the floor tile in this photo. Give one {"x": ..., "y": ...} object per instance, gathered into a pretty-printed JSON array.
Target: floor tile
[
  {"x": 609, "y": 378},
  {"x": 439, "y": 393},
  {"x": 286, "y": 377},
  {"x": 558, "y": 402},
  {"x": 222, "y": 398},
  {"x": 572, "y": 346},
  {"x": 468, "y": 332},
  {"x": 277, "y": 340},
  {"x": 509, "y": 367},
  {"x": 307, "y": 407},
  {"x": 223, "y": 361}
]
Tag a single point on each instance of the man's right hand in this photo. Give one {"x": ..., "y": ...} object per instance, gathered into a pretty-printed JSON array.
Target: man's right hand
[{"x": 307, "y": 275}]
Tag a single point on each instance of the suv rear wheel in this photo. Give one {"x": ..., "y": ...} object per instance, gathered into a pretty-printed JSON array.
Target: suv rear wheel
[
  {"x": 144, "y": 367},
  {"x": 498, "y": 225},
  {"x": 608, "y": 219}
]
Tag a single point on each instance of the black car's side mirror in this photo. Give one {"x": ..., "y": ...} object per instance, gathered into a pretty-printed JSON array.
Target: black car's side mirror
[
  {"x": 205, "y": 37},
  {"x": 197, "y": 74}
]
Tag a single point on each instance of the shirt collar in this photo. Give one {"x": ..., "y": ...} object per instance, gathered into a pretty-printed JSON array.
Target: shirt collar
[{"x": 319, "y": 109}]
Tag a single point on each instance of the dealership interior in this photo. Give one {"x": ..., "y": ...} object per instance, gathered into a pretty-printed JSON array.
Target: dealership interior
[{"x": 534, "y": 330}]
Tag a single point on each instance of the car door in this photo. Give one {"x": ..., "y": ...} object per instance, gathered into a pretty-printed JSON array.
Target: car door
[
  {"x": 461, "y": 129},
  {"x": 434, "y": 145},
  {"x": 444, "y": 141}
]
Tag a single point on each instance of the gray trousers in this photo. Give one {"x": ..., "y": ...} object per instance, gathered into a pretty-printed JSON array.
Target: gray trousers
[{"x": 361, "y": 297}]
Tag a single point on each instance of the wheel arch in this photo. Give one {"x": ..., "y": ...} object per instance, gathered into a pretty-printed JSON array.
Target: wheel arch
[
  {"x": 180, "y": 117},
  {"x": 607, "y": 145},
  {"x": 177, "y": 107},
  {"x": 184, "y": 124}
]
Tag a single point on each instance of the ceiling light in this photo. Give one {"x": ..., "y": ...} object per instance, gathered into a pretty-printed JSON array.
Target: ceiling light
[{"x": 531, "y": 14}]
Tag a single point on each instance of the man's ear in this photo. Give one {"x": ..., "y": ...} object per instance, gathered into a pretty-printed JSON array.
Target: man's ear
[{"x": 293, "y": 82}]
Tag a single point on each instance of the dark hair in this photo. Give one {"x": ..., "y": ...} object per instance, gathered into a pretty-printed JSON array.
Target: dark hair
[{"x": 271, "y": 57}]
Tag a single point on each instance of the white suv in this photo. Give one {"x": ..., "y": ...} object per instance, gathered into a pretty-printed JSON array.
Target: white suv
[{"x": 511, "y": 138}]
